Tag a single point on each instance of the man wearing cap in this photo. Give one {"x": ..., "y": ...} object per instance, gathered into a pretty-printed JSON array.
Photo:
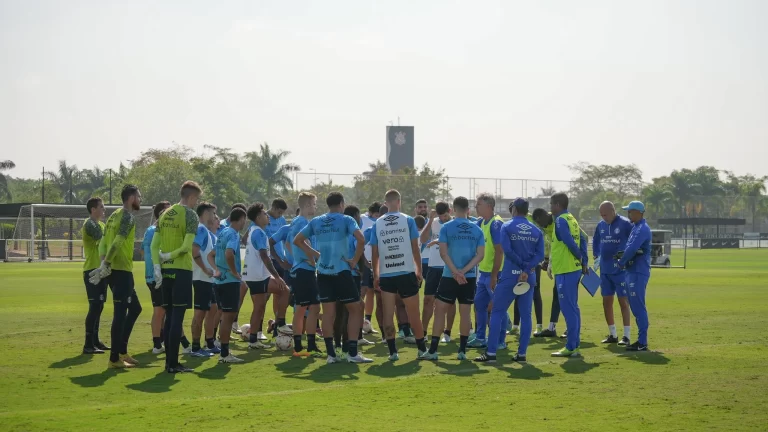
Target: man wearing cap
[
  {"x": 636, "y": 259},
  {"x": 611, "y": 235},
  {"x": 568, "y": 263},
  {"x": 523, "y": 246}
]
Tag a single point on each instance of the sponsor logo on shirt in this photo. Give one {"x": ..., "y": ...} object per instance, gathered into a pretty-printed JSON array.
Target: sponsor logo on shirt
[{"x": 391, "y": 220}]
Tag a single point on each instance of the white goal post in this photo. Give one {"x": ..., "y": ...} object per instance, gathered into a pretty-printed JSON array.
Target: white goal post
[{"x": 51, "y": 232}]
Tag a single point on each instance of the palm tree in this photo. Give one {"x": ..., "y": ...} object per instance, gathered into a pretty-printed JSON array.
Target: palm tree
[
  {"x": 684, "y": 188},
  {"x": 656, "y": 197},
  {"x": 273, "y": 169},
  {"x": 547, "y": 192},
  {"x": 69, "y": 181},
  {"x": 4, "y": 190},
  {"x": 752, "y": 190}
]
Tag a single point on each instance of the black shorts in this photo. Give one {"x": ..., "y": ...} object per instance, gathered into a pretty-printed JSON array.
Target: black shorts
[
  {"x": 338, "y": 287},
  {"x": 280, "y": 271},
  {"x": 121, "y": 284},
  {"x": 228, "y": 296},
  {"x": 367, "y": 278},
  {"x": 177, "y": 288},
  {"x": 203, "y": 295},
  {"x": 95, "y": 293},
  {"x": 404, "y": 285},
  {"x": 156, "y": 295},
  {"x": 449, "y": 291},
  {"x": 358, "y": 282},
  {"x": 305, "y": 290},
  {"x": 432, "y": 280},
  {"x": 258, "y": 287}
]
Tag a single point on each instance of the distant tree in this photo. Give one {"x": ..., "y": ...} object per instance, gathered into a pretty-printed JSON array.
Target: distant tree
[
  {"x": 4, "y": 190},
  {"x": 274, "y": 170}
]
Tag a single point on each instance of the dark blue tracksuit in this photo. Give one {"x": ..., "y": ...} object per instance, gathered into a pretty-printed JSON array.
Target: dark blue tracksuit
[
  {"x": 523, "y": 246},
  {"x": 638, "y": 269},
  {"x": 609, "y": 239}
]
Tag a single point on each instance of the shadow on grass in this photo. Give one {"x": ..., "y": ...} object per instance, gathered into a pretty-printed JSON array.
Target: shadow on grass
[
  {"x": 76, "y": 360},
  {"x": 647, "y": 357},
  {"x": 160, "y": 383},
  {"x": 217, "y": 372},
  {"x": 96, "y": 380},
  {"x": 525, "y": 371},
  {"x": 388, "y": 369},
  {"x": 468, "y": 368},
  {"x": 329, "y": 373},
  {"x": 294, "y": 365},
  {"x": 555, "y": 345},
  {"x": 577, "y": 365}
]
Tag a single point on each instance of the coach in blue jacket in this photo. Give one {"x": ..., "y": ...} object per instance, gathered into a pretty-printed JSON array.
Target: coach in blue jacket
[
  {"x": 636, "y": 259},
  {"x": 611, "y": 235}
]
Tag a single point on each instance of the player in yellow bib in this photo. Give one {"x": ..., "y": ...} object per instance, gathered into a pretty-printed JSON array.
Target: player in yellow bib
[
  {"x": 493, "y": 260},
  {"x": 172, "y": 258},
  {"x": 92, "y": 232},
  {"x": 567, "y": 264},
  {"x": 116, "y": 249},
  {"x": 544, "y": 220}
]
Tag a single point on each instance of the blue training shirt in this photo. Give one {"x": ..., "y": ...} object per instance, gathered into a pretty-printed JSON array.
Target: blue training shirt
[
  {"x": 413, "y": 235},
  {"x": 523, "y": 246},
  {"x": 222, "y": 224},
  {"x": 639, "y": 240},
  {"x": 146, "y": 245},
  {"x": 274, "y": 225},
  {"x": 228, "y": 239},
  {"x": 608, "y": 240},
  {"x": 259, "y": 239},
  {"x": 299, "y": 257},
  {"x": 351, "y": 249},
  {"x": 331, "y": 232},
  {"x": 280, "y": 237},
  {"x": 463, "y": 238},
  {"x": 201, "y": 237}
]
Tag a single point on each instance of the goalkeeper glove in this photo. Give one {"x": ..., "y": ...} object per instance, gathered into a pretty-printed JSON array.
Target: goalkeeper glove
[
  {"x": 158, "y": 276},
  {"x": 100, "y": 273},
  {"x": 165, "y": 256},
  {"x": 549, "y": 272}
]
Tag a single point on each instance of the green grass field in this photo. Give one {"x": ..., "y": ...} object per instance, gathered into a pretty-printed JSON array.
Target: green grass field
[{"x": 707, "y": 371}]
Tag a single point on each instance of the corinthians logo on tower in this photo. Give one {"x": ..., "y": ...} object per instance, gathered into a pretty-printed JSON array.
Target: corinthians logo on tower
[{"x": 400, "y": 138}]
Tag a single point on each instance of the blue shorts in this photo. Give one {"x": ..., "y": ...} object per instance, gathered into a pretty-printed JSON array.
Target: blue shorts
[{"x": 613, "y": 284}]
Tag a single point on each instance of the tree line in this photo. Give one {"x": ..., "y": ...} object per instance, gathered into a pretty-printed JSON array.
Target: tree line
[{"x": 228, "y": 177}]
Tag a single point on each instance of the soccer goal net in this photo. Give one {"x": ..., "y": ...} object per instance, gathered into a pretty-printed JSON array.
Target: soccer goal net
[{"x": 52, "y": 232}]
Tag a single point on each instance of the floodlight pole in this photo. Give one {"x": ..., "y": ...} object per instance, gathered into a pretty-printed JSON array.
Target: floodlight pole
[{"x": 31, "y": 245}]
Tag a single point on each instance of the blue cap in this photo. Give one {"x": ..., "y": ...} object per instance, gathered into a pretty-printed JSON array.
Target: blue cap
[
  {"x": 519, "y": 203},
  {"x": 635, "y": 205}
]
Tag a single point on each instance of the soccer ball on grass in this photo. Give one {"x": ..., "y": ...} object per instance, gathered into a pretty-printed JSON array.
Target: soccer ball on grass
[
  {"x": 245, "y": 332},
  {"x": 284, "y": 342}
]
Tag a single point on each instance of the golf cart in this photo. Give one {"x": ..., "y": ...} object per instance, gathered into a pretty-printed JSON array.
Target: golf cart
[{"x": 661, "y": 248}]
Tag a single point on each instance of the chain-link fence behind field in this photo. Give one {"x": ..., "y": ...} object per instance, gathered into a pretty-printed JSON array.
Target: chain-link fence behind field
[{"x": 362, "y": 189}]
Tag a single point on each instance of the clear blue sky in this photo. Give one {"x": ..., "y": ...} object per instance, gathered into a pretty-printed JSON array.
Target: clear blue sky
[{"x": 495, "y": 88}]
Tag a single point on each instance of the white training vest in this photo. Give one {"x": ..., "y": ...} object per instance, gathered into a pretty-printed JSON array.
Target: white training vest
[
  {"x": 197, "y": 272},
  {"x": 367, "y": 222},
  {"x": 435, "y": 260},
  {"x": 254, "y": 269},
  {"x": 394, "y": 240}
]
